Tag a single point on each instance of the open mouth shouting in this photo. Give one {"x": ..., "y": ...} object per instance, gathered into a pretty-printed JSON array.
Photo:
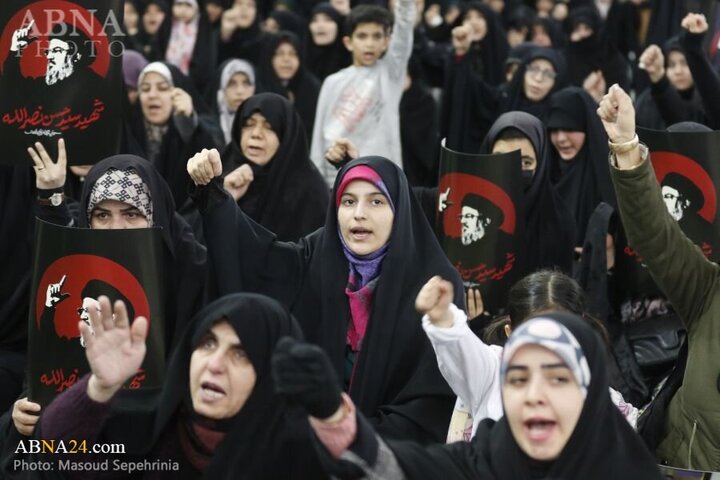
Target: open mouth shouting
[
  {"x": 539, "y": 430},
  {"x": 211, "y": 392}
]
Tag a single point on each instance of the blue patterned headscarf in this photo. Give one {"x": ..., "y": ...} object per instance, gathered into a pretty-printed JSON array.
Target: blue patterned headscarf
[{"x": 554, "y": 336}]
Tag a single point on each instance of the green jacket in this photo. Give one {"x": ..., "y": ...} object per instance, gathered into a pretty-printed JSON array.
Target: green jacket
[{"x": 692, "y": 284}]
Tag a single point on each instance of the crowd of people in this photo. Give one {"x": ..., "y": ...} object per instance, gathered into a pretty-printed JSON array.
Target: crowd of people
[{"x": 314, "y": 326}]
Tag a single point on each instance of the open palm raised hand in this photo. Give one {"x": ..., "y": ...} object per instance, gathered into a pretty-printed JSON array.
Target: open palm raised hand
[{"x": 115, "y": 351}]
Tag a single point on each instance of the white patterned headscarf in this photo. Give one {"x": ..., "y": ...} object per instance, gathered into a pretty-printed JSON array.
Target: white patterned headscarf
[
  {"x": 554, "y": 336},
  {"x": 125, "y": 186}
]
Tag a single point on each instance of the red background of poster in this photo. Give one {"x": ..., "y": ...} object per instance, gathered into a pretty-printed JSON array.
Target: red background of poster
[
  {"x": 79, "y": 270},
  {"x": 35, "y": 65}
]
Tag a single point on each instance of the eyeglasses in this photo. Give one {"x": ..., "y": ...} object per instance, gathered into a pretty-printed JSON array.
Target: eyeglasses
[
  {"x": 546, "y": 74},
  {"x": 55, "y": 50}
]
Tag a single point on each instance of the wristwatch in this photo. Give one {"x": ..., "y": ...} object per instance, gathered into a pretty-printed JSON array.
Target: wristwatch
[{"x": 54, "y": 200}]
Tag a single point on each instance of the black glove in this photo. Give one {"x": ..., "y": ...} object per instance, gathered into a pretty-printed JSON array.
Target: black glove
[{"x": 304, "y": 375}]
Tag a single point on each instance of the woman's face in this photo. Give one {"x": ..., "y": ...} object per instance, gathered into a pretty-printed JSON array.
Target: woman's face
[
  {"x": 155, "y": 98},
  {"x": 183, "y": 11},
  {"x": 153, "y": 18},
  {"x": 131, "y": 17},
  {"x": 539, "y": 79},
  {"x": 540, "y": 36},
  {"x": 542, "y": 402},
  {"x": 258, "y": 141},
  {"x": 271, "y": 25},
  {"x": 678, "y": 72},
  {"x": 285, "y": 62},
  {"x": 529, "y": 158},
  {"x": 365, "y": 217},
  {"x": 238, "y": 90},
  {"x": 247, "y": 12},
  {"x": 477, "y": 23},
  {"x": 323, "y": 29},
  {"x": 214, "y": 12},
  {"x": 221, "y": 374},
  {"x": 567, "y": 142}
]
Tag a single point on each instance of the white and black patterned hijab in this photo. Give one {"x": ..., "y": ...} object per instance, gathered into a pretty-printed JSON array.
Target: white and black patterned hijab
[{"x": 125, "y": 186}]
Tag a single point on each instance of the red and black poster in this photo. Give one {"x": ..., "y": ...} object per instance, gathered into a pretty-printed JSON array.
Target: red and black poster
[
  {"x": 61, "y": 77},
  {"x": 687, "y": 170},
  {"x": 73, "y": 267},
  {"x": 479, "y": 219}
]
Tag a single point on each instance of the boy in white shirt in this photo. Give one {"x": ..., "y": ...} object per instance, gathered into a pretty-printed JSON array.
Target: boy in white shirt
[{"x": 361, "y": 102}]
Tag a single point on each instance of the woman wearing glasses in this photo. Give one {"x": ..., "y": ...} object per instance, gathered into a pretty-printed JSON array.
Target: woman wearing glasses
[{"x": 541, "y": 73}]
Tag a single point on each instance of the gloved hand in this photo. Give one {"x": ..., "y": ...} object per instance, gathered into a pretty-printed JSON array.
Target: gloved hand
[{"x": 304, "y": 375}]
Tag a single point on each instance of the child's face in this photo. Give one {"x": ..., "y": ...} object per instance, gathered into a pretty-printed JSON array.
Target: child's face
[{"x": 367, "y": 44}]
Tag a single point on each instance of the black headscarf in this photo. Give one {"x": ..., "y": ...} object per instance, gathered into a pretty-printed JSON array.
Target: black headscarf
[
  {"x": 514, "y": 95},
  {"x": 396, "y": 381},
  {"x": 185, "y": 258},
  {"x": 488, "y": 55},
  {"x": 553, "y": 29},
  {"x": 288, "y": 196},
  {"x": 584, "y": 181},
  {"x": 303, "y": 89},
  {"x": 292, "y": 22},
  {"x": 255, "y": 445},
  {"x": 244, "y": 43},
  {"x": 146, "y": 43},
  {"x": 595, "y": 52},
  {"x": 662, "y": 100},
  {"x": 173, "y": 154},
  {"x": 328, "y": 59},
  {"x": 602, "y": 446},
  {"x": 549, "y": 226},
  {"x": 205, "y": 52},
  {"x": 470, "y": 99}
]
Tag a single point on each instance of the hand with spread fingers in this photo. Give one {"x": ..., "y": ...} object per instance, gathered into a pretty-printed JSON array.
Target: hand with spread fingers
[
  {"x": 204, "y": 166},
  {"x": 116, "y": 349},
  {"x": 49, "y": 174},
  {"x": 434, "y": 301},
  {"x": 304, "y": 375}
]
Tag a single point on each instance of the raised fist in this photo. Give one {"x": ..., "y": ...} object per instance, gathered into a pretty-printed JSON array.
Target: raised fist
[{"x": 204, "y": 166}]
